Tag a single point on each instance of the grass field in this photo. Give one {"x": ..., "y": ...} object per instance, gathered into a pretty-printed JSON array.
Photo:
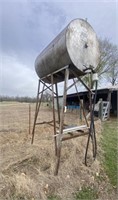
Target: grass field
[
  {"x": 110, "y": 144},
  {"x": 109, "y": 159},
  {"x": 27, "y": 170}
]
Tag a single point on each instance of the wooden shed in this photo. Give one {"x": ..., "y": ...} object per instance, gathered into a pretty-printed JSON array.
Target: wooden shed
[{"x": 106, "y": 94}]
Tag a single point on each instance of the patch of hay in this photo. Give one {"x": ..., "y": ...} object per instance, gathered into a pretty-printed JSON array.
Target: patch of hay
[{"x": 28, "y": 170}]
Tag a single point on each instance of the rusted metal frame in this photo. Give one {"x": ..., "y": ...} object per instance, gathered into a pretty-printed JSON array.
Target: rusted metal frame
[
  {"x": 90, "y": 132},
  {"x": 55, "y": 72},
  {"x": 47, "y": 87},
  {"x": 74, "y": 136},
  {"x": 59, "y": 75},
  {"x": 81, "y": 103},
  {"x": 88, "y": 140},
  {"x": 54, "y": 117},
  {"x": 81, "y": 81},
  {"x": 49, "y": 123},
  {"x": 37, "y": 99},
  {"x": 36, "y": 115},
  {"x": 38, "y": 103},
  {"x": 53, "y": 125},
  {"x": 57, "y": 99},
  {"x": 91, "y": 126},
  {"x": 64, "y": 100},
  {"x": 44, "y": 122},
  {"x": 72, "y": 84},
  {"x": 61, "y": 121}
]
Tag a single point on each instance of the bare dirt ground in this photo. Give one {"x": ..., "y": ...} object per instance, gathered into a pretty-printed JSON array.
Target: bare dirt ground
[{"x": 27, "y": 171}]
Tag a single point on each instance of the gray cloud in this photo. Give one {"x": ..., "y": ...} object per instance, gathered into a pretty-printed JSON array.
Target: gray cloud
[
  {"x": 28, "y": 26},
  {"x": 17, "y": 79}
]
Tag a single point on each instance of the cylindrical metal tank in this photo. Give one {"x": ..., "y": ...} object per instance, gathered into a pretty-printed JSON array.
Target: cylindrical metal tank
[{"x": 77, "y": 45}]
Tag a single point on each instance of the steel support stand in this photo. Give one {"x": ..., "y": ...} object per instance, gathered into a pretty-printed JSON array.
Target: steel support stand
[{"x": 59, "y": 135}]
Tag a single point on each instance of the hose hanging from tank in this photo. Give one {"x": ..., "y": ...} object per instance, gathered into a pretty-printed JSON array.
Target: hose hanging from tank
[{"x": 92, "y": 132}]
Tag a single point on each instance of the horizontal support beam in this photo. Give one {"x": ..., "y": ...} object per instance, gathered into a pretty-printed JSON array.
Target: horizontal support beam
[
  {"x": 74, "y": 136},
  {"x": 55, "y": 72},
  {"x": 44, "y": 122}
]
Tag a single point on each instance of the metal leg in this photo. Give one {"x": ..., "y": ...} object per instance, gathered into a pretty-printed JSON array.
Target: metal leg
[
  {"x": 91, "y": 125},
  {"x": 57, "y": 99},
  {"x": 38, "y": 103},
  {"x": 61, "y": 122},
  {"x": 86, "y": 152},
  {"x": 81, "y": 104},
  {"x": 91, "y": 134},
  {"x": 54, "y": 119},
  {"x": 37, "y": 99}
]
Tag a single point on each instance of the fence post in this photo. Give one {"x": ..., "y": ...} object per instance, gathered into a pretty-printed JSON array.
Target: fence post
[{"x": 29, "y": 118}]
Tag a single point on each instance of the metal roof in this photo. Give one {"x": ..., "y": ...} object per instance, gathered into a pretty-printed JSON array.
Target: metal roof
[
  {"x": 106, "y": 89},
  {"x": 113, "y": 87}
]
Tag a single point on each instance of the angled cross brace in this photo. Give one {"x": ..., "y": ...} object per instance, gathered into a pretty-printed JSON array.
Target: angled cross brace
[{"x": 38, "y": 103}]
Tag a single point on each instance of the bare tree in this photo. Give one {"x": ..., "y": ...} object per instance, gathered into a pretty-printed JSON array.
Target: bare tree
[
  {"x": 107, "y": 68},
  {"x": 112, "y": 74},
  {"x": 108, "y": 65},
  {"x": 46, "y": 96}
]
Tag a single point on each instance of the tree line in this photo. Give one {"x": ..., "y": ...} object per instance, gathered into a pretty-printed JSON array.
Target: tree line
[
  {"x": 46, "y": 98},
  {"x": 18, "y": 99}
]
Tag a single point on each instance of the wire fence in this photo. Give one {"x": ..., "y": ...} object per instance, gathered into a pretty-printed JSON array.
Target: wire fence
[
  {"x": 14, "y": 117},
  {"x": 19, "y": 117}
]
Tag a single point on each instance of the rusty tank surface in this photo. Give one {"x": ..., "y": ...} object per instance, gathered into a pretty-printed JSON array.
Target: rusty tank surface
[{"x": 76, "y": 46}]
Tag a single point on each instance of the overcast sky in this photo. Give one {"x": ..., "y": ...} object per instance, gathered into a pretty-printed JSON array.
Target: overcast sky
[{"x": 27, "y": 26}]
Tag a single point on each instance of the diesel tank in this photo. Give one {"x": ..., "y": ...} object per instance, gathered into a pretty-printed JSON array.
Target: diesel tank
[{"x": 76, "y": 46}]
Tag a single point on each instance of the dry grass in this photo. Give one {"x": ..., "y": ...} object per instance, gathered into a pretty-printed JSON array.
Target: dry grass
[{"x": 27, "y": 170}]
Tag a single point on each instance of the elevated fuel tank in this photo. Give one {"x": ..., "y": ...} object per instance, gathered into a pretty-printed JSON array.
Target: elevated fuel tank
[{"x": 77, "y": 45}]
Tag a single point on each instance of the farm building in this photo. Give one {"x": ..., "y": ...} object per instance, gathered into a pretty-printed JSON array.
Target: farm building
[{"x": 106, "y": 94}]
